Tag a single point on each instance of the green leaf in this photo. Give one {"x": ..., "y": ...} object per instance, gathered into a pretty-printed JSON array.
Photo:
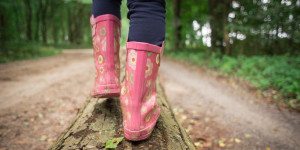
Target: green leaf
[{"x": 113, "y": 143}]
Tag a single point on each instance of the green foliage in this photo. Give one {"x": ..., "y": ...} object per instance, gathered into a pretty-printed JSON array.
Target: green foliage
[
  {"x": 20, "y": 51},
  {"x": 281, "y": 73},
  {"x": 113, "y": 143}
]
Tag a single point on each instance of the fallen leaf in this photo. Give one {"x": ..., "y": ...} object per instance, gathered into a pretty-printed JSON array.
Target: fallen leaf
[
  {"x": 41, "y": 115},
  {"x": 43, "y": 138},
  {"x": 206, "y": 119},
  {"x": 175, "y": 111},
  {"x": 46, "y": 122},
  {"x": 221, "y": 143},
  {"x": 237, "y": 140},
  {"x": 113, "y": 143},
  {"x": 268, "y": 148},
  {"x": 197, "y": 144},
  {"x": 90, "y": 146},
  {"x": 247, "y": 135},
  {"x": 180, "y": 110},
  {"x": 183, "y": 117},
  {"x": 26, "y": 123}
]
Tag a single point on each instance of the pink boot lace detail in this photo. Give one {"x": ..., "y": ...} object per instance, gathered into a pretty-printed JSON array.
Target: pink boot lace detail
[
  {"x": 138, "y": 95},
  {"x": 106, "y": 37}
]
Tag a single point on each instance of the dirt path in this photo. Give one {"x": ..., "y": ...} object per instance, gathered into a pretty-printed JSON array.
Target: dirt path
[
  {"x": 252, "y": 123},
  {"x": 38, "y": 98}
]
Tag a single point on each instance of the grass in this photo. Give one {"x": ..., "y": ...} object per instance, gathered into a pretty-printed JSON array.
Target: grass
[
  {"x": 280, "y": 73},
  {"x": 21, "y": 51}
]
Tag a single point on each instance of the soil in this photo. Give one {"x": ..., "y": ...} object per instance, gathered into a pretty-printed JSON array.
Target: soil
[
  {"x": 218, "y": 113},
  {"x": 40, "y": 97}
]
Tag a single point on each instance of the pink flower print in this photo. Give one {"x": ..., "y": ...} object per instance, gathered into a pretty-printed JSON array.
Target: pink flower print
[
  {"x": 132, "y": 57},
  {"x": 128, "y": 115},
  {"x": 157, "y": 59},
  {"x": 126, "y": 101},
  {"x": 96, "y": 74},
  {"x": 149, "y": 130},
  {"x": 97, "y": 39},
  {"x": 93, "y": 25},
  {"x": 100, "y": 59},
  {"x": 148, "y": 95},
  {"x": 96, "y": 48},
  {"x": 101, "y": 79},
  {"x": 143, "y": 110},
  {"x": 101, "y": 70},
  {"x": 103, "y": 44},
  {"x": 148, "y": 117},
  {"x": 148, "y": 83},
  {"x": 107, "y": 90},
  {"x": 149, "y": 67},
  {"x": 102, "y": 31},
  {"x": 124, "y": 90}
]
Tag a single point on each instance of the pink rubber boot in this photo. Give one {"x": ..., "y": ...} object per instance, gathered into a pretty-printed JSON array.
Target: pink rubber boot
[
  {"x": 106, "y": 36},
  {"x": 138, "y": 95}
]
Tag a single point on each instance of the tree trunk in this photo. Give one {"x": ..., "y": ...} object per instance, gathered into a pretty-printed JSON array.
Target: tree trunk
[
  {"x": 225, "y": 30},
  {"x": 3, "y": 25},
  {"x": 218, "y": 20},
  {"x": 44, "y": 22},
  {"x": 28, "y": 19},
  {"x": 38, "y": 17},
  {"x": 177, "y": 25},
  {"x": 212, "y": 22},
  {"x": 100, "y": 119}
]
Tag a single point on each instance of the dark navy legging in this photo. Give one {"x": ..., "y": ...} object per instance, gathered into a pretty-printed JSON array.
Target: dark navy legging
[{"x": 147, "y": 18}]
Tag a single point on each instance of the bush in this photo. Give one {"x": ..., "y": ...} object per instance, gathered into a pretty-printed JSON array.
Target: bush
[
  {"x": 20, "y": 51},
  {"x": 281, "y": 73}
]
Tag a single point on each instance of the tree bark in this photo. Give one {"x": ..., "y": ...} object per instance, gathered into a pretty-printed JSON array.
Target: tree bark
[
  {"x": 38, "y": 18},
  {"x": 44, "y": 22},
  {"x": 28, "y": 19},
  {"x": 70, "y": 26},
  {"x": 218, "y": 20},
  {"x": 225, "y": 30},
  {"x": 100, "y": 119},
  {"x": 177, "y": 25}
]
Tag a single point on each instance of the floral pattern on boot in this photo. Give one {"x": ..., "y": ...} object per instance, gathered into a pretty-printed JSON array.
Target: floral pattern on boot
[
  {"x": 106, "y": 38},
  {"x": 138, "y": 94}
]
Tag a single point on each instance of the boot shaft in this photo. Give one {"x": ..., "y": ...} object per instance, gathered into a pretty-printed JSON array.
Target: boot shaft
[
  {"x": 106, "y": 39},
  {"x": 138, "y": 95}
]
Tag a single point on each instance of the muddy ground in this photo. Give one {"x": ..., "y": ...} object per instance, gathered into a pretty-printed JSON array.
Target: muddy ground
[{"x": 39, "y": 97}]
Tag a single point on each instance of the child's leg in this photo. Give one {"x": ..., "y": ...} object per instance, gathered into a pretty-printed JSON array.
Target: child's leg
[
  {"x": 147, "y": 21},
  {"x": 102, "y": 7},
  {"x": 145, "y": 43},
  {"x": 105, "y": 24}
]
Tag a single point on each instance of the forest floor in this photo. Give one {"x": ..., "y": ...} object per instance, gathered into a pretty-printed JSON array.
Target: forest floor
[{"x": 39, "y": 97}]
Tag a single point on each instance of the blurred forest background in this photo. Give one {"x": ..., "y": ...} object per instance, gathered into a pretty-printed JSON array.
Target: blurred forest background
[{"x": 255, "y": 40}]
